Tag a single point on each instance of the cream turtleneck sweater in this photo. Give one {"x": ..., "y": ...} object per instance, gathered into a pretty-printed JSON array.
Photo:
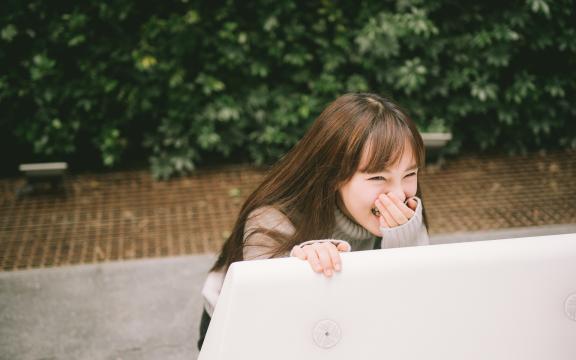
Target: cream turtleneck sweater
[{"x": 260, "y": 246}]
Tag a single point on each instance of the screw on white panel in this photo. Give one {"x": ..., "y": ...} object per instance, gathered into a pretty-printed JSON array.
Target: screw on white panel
[
  {"x": 326, "y": 333},
  {"x": 570, "y": 307}
]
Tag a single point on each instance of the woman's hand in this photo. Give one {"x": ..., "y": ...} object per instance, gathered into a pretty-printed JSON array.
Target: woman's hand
[
  {"x": 322, "y": 256},
  {"x": 393, "y": 212}
]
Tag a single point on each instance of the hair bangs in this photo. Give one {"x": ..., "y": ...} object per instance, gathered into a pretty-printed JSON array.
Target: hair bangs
[{"x": 386, "y": 145}]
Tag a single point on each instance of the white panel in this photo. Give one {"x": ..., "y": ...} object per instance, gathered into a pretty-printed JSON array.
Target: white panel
[{"x": 500, "y": 299}]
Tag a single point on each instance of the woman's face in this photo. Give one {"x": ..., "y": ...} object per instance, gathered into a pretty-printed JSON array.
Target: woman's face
[{"x": 360, "y": 192}]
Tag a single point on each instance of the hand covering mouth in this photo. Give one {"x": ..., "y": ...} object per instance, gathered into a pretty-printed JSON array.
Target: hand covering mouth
[{"x": 376, "y": 212}]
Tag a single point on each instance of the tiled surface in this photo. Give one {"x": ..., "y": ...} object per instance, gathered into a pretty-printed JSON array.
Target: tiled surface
[
  {"x": 126, "y": 215},
  {"x": 481, "y": 193}
]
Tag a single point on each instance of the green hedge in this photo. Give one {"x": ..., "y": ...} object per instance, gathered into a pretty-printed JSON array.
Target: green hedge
[{"x": 179, "y": 81}]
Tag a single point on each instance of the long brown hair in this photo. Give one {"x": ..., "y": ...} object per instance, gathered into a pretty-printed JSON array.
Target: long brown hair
[{"x": 305, "y": 182}]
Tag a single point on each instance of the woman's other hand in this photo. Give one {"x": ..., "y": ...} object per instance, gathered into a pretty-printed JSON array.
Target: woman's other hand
[{"x": 323, "y": 257}]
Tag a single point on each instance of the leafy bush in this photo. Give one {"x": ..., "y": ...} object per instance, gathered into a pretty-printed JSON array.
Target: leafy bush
[{"x": 183, "y": 80}]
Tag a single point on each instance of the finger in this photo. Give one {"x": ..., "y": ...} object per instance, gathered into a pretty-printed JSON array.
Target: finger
[
  {"x": 334, "y": 256},
  {"x": 312, "y": 258},
  {"x": 393, "y": 210},
  {"x": 383, "y": 223},
  {"x": 324, "y": 256},
  {"x": 342, "y": 247},
  {"x": 385, "y": 215},
  {"x": 404, "y": 209},
  {"x": 298, "y": 252},
  {"x": 412, "y": 204},
  {"x": 389, "y": 220}
]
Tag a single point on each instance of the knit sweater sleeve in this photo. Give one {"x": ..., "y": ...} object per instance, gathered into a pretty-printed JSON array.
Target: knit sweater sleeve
[
  {"x": 258, "y": 245},
  {"x": 412, "y": 233}
]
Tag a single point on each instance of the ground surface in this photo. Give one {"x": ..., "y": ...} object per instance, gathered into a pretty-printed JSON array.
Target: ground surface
[{"x": 127, "y": 215}]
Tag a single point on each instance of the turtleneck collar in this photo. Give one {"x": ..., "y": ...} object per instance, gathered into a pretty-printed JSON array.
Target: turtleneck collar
[{"x": 348, "y": 229}]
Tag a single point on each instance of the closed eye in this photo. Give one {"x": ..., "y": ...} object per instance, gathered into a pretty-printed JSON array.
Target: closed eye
[
  {"x": 411, "y": 174},
  {"x": 381, "y": 178}
]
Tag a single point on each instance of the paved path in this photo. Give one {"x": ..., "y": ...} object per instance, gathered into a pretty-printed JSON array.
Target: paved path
[
  {"x": 140, "y": 309},
  {"x": 125, "y": 215}
]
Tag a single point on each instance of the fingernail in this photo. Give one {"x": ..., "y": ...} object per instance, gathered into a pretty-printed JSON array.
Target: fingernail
[
  {"x": 328, "y": 272},
  {"x": 337, "y": 267}
]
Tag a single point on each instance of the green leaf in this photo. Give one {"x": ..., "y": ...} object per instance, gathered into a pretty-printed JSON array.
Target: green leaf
[{"x": 9, "y": 32}]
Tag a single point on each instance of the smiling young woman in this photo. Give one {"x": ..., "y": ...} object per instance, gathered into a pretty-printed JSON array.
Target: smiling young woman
[{"x": 350, "y": 184}]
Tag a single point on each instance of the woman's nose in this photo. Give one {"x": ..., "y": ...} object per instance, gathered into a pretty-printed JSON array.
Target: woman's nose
[{"x": 399, "y": 193}]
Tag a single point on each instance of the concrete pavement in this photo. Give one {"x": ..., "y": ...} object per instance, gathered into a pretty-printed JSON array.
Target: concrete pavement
[{"x": 142, "y": 309}]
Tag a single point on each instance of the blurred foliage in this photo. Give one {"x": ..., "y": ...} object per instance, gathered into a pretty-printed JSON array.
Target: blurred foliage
[{"x": 179, "y": 80}]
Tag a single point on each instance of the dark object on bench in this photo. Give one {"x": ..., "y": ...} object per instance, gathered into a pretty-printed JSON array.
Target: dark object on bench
[{"x": 43, "y": 177}]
